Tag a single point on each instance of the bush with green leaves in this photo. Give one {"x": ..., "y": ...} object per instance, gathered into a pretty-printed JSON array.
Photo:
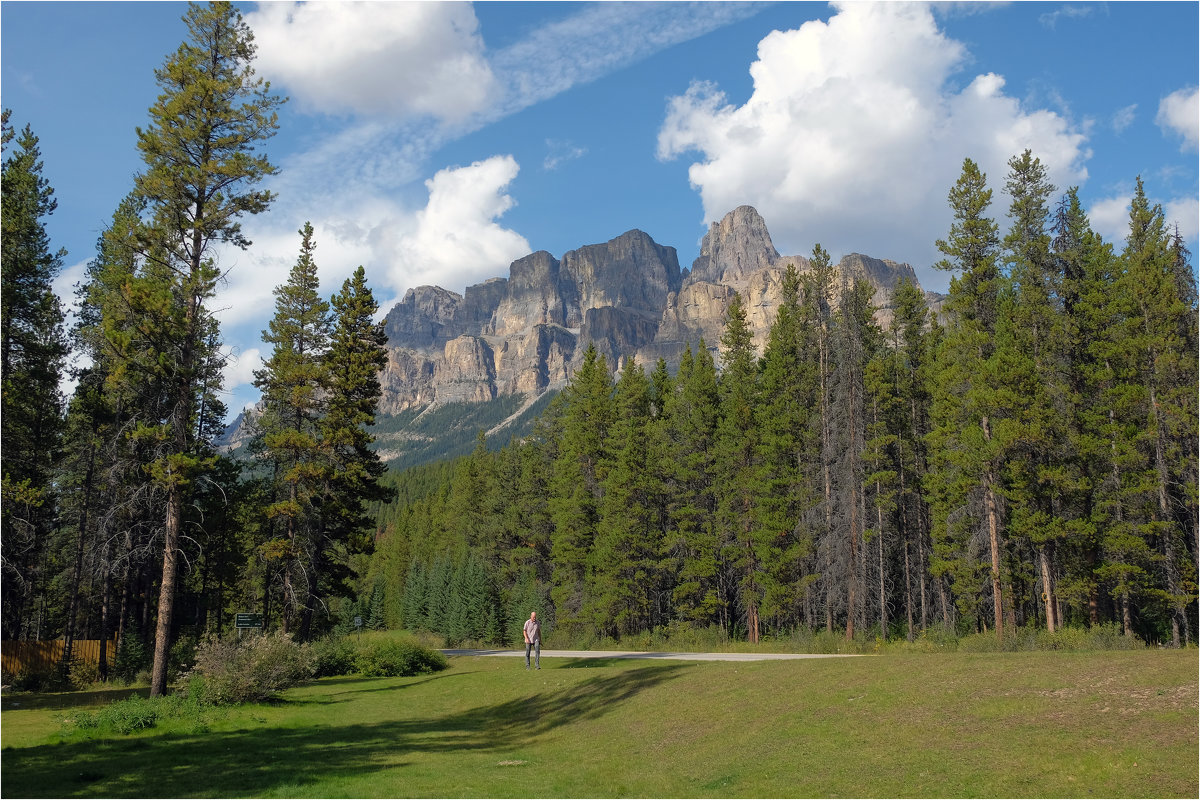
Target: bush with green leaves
[
  {"x": 332, "y": 655},
  {"x": 251, "y": 669},
  {"x": 392, "y": 658}
]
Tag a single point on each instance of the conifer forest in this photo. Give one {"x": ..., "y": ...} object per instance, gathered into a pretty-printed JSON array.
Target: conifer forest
[{"x": 1023, "y": 457}]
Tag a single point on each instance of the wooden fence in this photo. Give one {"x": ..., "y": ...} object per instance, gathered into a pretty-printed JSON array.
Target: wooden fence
[{"x": 38, "y": 656}]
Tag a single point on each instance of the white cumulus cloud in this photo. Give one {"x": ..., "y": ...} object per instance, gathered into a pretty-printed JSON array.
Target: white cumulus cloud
[
  {"x": 456, "y": 240},
  {"x": 1184, "y": 212},
  {"x": 239, "y": 367},
  {"x": 855, "y": 132},
  {"x": 1109, "y": 217},
  {"x": 397, "y": 58},
  {"x": 1179, "y": 114}
]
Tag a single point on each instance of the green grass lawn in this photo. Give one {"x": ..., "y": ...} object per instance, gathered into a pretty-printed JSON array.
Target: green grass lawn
[{"x": 1043, "y": 724}]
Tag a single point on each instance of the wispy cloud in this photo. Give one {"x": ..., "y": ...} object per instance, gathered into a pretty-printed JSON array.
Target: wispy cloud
[
  {"x": 1070, "y": 11},
  {"x": 1124, "y": 118},
  {"x": 559, "y": 152}
]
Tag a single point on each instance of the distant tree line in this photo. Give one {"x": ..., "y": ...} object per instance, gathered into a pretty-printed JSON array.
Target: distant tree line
[{"x": 1028, "y": 457}]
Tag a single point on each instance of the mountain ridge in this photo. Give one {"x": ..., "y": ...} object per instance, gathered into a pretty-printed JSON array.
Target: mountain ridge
[{"x": 628, "y": 296}]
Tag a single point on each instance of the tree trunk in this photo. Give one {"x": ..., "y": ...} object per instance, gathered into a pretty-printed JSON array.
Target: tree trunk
[
  {"x": 1047, "y": 590},
  {"x": 883, "y": 617},
  {"x": 166, "y": 593},
  {"x": 993, "y": 522},
  {"x": 908, "y": 601}
]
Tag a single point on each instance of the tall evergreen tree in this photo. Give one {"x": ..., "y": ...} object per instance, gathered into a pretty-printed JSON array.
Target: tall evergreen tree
[
  {"x": 784, "y": 418},
  {"x": 32, "y": 353},
  {"x": 1041, "y": 483},
  {"x": 816, "y": 312},
  {"x": 623, "y": 563},
  {"x": 910, "y": 375},
  {"x": 580, "y": 467},
  {"x": 356, "y": 354},
  {"x": 1159, "y": 352},
  {"x": 855, "y": 341},
  {"x": 690, "y": 550},
  {"x": 966, "y": 458},
  {"x": 201, "y": 166},
  {"x": 746, "y": 546},
  {"x": 295, "y": 386}
]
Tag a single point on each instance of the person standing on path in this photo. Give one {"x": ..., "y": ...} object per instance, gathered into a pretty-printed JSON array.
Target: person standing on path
[{"x": 533, "y": 639}]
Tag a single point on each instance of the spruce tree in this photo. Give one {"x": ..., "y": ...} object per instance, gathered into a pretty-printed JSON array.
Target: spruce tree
[
  {"x": 32, "y": 353},
  {"x": 352, "y": 468},
  {"x": 909, "y": 371},
  {"x": 691, "y": 554},
  {"x": 1041, "y": 484},
  {"x": 816, "y": 312},
  {"x": 580, "y": 466},
  {"x": 746, "y": 547},
  {"x": 784, "y": 418},
  {"x": 1161, "y": 382},
  {"x": 965, "y": 456},
  {"x": 623, "y": 562},
  {"x": 294, "y": 381}
]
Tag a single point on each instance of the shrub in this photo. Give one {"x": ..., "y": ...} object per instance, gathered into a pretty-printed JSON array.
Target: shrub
[
  {"x": 84, "y": 673},
  {"x": 398, "y": 659},
  {"x": 249, "y": 670},
  {"x": 333, "y": 655}
]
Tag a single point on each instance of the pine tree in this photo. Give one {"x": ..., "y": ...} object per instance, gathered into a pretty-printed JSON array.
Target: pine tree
[
  {"x": 622, "y": 575},
  {"x": 855, "y": 341},
  {"x": 965, "y": 458},
  {"x": 1041, "y": 485},
  {"x": 295, "y": 383},
  {"x": 579, "y": 470},
  {"x": 32, "y": 353},
  {"x": 784, "y": 417},
  {"x": 201, "y": 157},
  {"x": 691, "y": 555},
  {"x": 816, "y": 311},
  {"x": 1156, "y": 343},
  {"x": 745, "y": 545},
  {"x": 352, "y": 362},
  {"x": 909, "y": 369}
]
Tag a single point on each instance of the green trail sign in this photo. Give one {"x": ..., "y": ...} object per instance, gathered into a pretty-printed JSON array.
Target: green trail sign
[{"x": 249, "y": 621}]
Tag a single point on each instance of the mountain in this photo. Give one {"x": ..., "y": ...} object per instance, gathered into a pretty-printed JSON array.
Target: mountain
[
  {"x": 521, "y": 337},
  {"x": 525, "y": 334}
]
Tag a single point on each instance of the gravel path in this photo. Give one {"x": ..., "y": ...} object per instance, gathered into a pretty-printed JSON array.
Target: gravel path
[{"x": 663, "y": 656}]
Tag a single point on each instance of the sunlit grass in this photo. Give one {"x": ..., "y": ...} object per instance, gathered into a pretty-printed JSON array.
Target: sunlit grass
[{"x": 1118, "y": 724}]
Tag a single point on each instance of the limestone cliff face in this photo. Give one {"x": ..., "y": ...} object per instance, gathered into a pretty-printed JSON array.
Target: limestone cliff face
[{"x": 526, "y": 333}]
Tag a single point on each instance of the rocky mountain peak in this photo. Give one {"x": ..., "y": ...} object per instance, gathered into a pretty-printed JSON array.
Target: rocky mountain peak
[{"x": 734, "y": 248}]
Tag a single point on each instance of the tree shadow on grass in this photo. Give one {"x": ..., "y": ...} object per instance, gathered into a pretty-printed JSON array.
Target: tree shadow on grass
[
  {"x": 256, "y": 762},
  {"x": 340, "y": 694},
  {"x": 63, "y": 700}
]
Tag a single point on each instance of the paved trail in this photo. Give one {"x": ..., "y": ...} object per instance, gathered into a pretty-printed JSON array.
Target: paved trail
[{"x": 663, "y": 656}]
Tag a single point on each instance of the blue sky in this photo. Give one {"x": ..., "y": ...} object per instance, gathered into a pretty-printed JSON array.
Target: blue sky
[{"x": 437, "y": 142}]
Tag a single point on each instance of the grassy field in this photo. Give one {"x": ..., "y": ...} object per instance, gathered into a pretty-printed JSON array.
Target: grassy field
[{"x": 1115, "y": 724}]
